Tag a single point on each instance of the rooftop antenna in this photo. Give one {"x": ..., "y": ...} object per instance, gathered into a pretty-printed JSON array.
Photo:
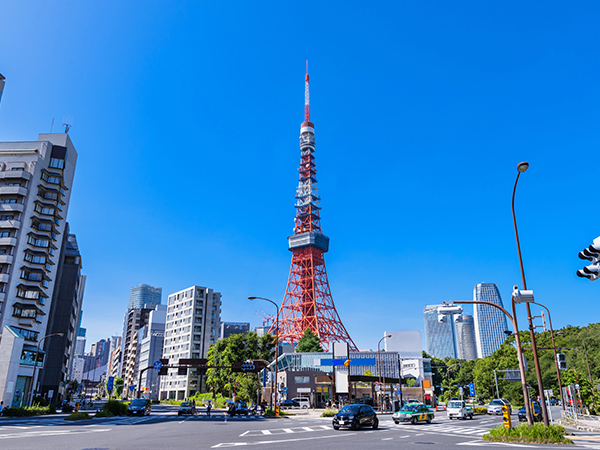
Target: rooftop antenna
[
  {"x": 67, "y": 123},
  {"x": 52, "y": 126},
  {"x": 306, "y": 97}
]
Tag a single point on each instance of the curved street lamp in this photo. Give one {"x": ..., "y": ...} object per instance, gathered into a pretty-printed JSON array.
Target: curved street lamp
[
  {"x": 37, "y": 352},
  {"x": 522, "y": 167},
  {"x": 276, "y": 349}
]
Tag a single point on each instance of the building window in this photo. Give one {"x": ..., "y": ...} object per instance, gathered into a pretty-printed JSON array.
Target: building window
[
  {"x": 28, "y": 335},
  {"x": 35, "y": 259},
  {"x": 9, "y": 200},
  {"x": 44, "y": 210},
  {"x": 57, "y": 163},
  {"x": 39, "y": 243},
  {"x": 27, "y": 313},
  {"x": 7, "y": 217},
  {"x": 4, "y": 234},
  {"x": 301, "y": 380},
  {"x": 23, "y": 293},
  {"x": 31, "y": 276}
]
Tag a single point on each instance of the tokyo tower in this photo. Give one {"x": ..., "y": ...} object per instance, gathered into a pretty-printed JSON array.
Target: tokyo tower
[{"x": 308, "y": 302}]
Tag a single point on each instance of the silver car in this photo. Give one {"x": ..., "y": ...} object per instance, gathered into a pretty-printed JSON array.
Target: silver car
[{"x": 495, "y": 406}]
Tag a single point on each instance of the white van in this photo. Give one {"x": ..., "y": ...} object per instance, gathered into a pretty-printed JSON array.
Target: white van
[{"x": 303, "y": 402}]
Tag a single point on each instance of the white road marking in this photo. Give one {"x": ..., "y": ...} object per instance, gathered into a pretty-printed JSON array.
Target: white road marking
[
  {"x": 287, "y": 430},
  {"x": 31, "y": 434},
  {"x": 266, "y": 432},
  {"x": 387, "y": 439},
  {"x": 239, "y": 444}
]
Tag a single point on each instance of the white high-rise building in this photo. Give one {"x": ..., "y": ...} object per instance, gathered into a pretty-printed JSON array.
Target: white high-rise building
[
  {"x": 490, "y": 323},
  {"x": 36, "y": 178},
  {"x": 193, "y": 324}
]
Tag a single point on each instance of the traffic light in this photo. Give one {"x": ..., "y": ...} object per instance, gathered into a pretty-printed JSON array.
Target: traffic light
[
  {"x": 592, "y": 253},
  {"x": 561, "y": 359}
]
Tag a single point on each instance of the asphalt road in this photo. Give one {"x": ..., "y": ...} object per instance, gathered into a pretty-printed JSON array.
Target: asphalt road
[{"x": 163, "y": 429}]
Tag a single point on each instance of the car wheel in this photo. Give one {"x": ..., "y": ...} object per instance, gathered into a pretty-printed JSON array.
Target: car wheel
[
  {"x": 335, "y": 427},
  {"x": 470, "y": 416},
  {"x": 354, "y": 425},
  {"x": 375, "y": 423},
  {"x": 429, "y": 420},
  {"x": 305, "y": 407},
  {"x": 414, "y": 420},
  {"x": 396, "y": 422},
  {"x": 450, "y": 418}
]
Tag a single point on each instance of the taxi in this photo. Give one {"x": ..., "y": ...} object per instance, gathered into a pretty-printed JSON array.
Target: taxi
[{"x": 413, "y": 413}]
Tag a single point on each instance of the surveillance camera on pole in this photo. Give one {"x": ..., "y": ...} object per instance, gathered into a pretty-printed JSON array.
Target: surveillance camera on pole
[
  {"x": 458, "y": 318},
  {"x": 442, "y": 318},
  {"x": 522, "y": 296},
  {"x": 592, "y": 253},
  {"x": 449, "y": 308}
]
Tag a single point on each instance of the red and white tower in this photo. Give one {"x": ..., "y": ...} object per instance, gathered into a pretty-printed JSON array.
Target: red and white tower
[{"x": 308, "y": 302}]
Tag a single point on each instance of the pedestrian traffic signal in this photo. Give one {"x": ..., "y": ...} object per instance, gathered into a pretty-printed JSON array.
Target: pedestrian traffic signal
[
  {"x": 561, "y": 360},
  {"x": 592, "y": 253}
]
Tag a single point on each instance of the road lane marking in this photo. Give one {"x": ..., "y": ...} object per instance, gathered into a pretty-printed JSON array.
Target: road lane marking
[
  {"x": 287, "y": 430},
  {"x": 239, "y": 444},
  {"x": 32, "y": 434},
  {"x": 266, "y": 432}
]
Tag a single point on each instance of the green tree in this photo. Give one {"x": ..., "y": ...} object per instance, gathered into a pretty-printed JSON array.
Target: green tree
[
  {"x": 118, "y": 386},
  {"x": 309, "y": 342},
  {"x": 237, "y": 348}
]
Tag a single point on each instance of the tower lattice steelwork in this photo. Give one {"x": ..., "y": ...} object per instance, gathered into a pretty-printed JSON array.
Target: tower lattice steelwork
[{"x": 308, "y": 302}]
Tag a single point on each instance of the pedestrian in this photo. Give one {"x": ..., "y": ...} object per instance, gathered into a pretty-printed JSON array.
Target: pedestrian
[
  {"x": 1, "y": 406},
  {"x": 208, "y": 408}
]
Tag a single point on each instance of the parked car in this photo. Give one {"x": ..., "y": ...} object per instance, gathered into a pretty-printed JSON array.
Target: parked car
[
  {"x": 355, "y": 416},
  {"x": 495, "y": 406},
  {"x": 139, "y": 407},
  {"x": 537, "y": 412},
  {"x": 187, "y": 408},
  {"x": 303, "y": 402},
  {"x": 457, "y": 409},
  {"x": 289, "y": 404},
  {"x": 413, "y": 413}
]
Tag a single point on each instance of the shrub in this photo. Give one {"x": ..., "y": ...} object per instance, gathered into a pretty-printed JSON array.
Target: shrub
[
  {"x": 538, "y": 433},
  {"x": 67, "y": 408},
  {"x": 479, "y": 410},
  {"x": 103, "y": 413},
  {"x": 329, "y": 413},
  {"x": 28, "y": 411},
  {"x": 78, "y": 416},
  {"x": 115, "y": 407}
]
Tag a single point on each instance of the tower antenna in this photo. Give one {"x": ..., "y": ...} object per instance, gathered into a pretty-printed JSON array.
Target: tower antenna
[
  {"x": 306, "y": 97},
  {"x": 67, "y": 123}
]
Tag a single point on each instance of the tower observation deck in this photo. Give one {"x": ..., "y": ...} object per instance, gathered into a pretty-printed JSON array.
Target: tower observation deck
[{"x": 307, "y": 302}]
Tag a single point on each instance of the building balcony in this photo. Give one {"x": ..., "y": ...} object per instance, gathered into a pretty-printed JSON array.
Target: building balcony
[
  {"x": 15, "y": 174},
  {"x": 11, "y": 207},
  {"x": 6, "y": 259},
  {"x": 8, "y": 241},
  {"x": 10, "y": 224},
  {"x": 18, "y": 190},
  {"x": 3, "y": 278}
]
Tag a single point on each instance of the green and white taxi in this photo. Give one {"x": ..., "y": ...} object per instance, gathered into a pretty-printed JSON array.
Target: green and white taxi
[{"x": 413, "y": 413}]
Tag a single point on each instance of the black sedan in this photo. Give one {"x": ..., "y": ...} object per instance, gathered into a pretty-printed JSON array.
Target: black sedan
[
  {"x": 537, "y": 412},
  {"x": 139, "y": 407},
  {"x": 355, "y": 416},
  {"x": 289, "y": 404}
]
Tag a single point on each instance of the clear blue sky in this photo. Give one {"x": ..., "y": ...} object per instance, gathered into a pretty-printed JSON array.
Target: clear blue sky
[{"x": 186, "y": 118}]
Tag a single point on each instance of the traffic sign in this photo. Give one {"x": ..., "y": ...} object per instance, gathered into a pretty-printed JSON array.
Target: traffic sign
[
  {"x": 132, "y": 388},
  {"x": 110, "y": 383},
  {"x": 157, "y": 365},
  {"x": 471, "y": 389}
]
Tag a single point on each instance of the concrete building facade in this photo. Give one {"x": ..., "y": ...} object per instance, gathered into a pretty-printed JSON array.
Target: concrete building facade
[
  {"x": 193, "y": 324},
  {"x": 36, "y": 179},
  {"x": 143, "y": 295},
  {"x": 151, "y": 339}
]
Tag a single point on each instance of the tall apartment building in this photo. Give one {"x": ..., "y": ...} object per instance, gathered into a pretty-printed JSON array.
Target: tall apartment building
[
  {"x": 36, "y": 178},
  {"x": 438, "y": 336},
  {"x": 229, "y": 328},
  {"x": 465, "y": 338},
  {"x": 151, "y": 339},
  {"x": 490, "y": 323},
  {"x": 144, "y": 295},
  {"x": 134, "y": 320},
  {"x": 64, "y": 318},
  {"x": 193, "y": 323}
]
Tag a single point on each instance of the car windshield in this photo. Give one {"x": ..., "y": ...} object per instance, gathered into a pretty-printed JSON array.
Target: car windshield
[
  {"x": 349, "y": 409},
  {"x": 186, "y": 404},
  {"x": 454, "y": 405},
  {"x": 138, "y": 402},
  {"x": 496, "y": 402},
  {"x": 409, "y": 408}
]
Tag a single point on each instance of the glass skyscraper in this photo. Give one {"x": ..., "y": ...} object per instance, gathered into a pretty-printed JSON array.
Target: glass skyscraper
[
  {"x": 465, "y": 338},
  {"x": 144, "y": 294},
  {"x": 490, "y": 323},
  {"x": 438, "y": 336}
]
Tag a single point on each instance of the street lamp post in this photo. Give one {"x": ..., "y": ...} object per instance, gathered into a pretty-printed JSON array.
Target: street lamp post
[
  {"x": 562, "y": 399},
  {"x": 522, "y": 167},
  {"x": 513, "y": 319},
  {"x": 448, "y": 375},
  {"x": 276, "y": 348},
  {"x": 37, "y": 351},
  {"x": 379, "y": 369}
]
